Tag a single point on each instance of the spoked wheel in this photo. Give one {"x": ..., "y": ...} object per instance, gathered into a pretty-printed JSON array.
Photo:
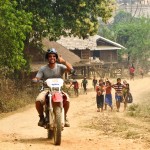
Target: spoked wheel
[{"x": 57, "y": 126}]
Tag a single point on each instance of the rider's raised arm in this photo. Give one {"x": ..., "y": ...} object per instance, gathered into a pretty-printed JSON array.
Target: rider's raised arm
[{"x": 69, "y": 67}]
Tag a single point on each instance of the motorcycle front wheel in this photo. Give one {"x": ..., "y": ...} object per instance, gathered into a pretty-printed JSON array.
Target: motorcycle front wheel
[
  {"x": 58, "y": 125},
  {"x": 50, "y": 134}
]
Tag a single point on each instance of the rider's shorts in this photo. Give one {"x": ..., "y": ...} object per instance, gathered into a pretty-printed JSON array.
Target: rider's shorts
[{"x": 42, "y": 95}]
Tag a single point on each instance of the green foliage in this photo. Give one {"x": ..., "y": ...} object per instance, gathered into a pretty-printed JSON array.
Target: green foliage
[
  {"x": 122, "y": 17},
  {"x": 109, "y": 30},
  {"x": 65, "y": 17},
  {"x": 135, "y": 37},
  {"x": 139, "y": 110},
  {"x": 23, "y": 22},
  {"x": 14, "y": 26},
  {"x": 131, "y": 32},
  {"x": 106, "y": 32}
]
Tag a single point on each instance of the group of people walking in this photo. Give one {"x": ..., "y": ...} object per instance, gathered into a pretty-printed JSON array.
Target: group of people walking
[
  {"x": 132, "y": 72},
  {"x": 104, "y": 94}
]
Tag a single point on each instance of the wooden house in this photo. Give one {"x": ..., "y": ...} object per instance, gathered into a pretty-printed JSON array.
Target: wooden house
[{"x": 94, "y": 51}]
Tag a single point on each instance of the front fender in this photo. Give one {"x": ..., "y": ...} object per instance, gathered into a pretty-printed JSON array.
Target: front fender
[{"x": 57, "y": 97}]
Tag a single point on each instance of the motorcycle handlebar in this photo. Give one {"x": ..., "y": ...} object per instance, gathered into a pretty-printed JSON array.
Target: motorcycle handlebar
[{"x": 36, "y": 81}]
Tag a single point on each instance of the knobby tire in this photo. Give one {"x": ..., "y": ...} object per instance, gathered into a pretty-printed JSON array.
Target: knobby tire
[{"x": 58, "y": 125}]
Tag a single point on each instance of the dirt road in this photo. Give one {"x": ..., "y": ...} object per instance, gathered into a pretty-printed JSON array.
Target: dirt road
[{"x": 90, "y": 130}]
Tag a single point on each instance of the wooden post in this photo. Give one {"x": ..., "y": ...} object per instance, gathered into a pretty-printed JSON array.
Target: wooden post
[
  {"x": 88, "y": 70},
  {"x": 84, "y": 71}
]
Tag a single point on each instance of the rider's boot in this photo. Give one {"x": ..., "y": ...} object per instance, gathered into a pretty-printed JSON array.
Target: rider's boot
[
  {"x": 41, "y": 121},
  {"x": 47, "y": 117}
]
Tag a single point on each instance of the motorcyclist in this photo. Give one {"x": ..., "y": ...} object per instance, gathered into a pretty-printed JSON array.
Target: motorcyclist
[{"x": 55, "y": 68}]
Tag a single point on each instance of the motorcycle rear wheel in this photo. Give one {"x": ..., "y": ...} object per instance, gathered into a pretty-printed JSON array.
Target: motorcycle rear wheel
[{"x": 58, "y": 125}]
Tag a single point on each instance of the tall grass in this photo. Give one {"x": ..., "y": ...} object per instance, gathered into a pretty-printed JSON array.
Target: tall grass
[
  {"x": 17, "y": 95},
  {"x": 14, "y": 96},
  {"x": 140, "y": 111}
]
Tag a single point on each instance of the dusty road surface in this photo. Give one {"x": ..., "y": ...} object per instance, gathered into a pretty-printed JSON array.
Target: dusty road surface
[{"x": 90, "y": 130}]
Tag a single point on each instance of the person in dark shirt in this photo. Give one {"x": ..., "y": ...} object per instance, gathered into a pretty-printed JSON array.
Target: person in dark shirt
[
  {"x": 100, "y": 96},
  {"x": 94, "y": 82},
  {"x": 84, "y": 83}
]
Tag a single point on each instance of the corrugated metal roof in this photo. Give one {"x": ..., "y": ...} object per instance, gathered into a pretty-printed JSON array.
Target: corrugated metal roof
[
  {"x": 73, "y": 43},
  {"x": 107, "y": 48}
]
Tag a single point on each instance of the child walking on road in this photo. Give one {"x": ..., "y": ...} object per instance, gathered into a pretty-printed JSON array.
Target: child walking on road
[
  {"x": 108, "y": 95},
  {"x": 126, "y": 92},
  {"x": 75, "y": 85},
  {"x": 100, "y": 96}
]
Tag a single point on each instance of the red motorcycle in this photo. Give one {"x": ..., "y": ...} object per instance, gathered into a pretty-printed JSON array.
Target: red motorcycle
[{"x": 54, "y": 110}]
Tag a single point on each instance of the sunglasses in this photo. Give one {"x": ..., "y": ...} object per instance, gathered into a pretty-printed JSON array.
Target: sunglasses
[{"x": 51, "y": 55}]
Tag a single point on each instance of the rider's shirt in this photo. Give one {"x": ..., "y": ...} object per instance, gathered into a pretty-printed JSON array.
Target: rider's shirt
[{"x": 46, "y": 72}]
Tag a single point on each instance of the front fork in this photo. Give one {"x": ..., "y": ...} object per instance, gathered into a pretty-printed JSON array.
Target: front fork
[{"x": 51, "y": 113}]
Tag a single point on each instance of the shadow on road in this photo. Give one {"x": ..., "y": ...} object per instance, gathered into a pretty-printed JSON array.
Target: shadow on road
[{"x": 36, "y": 141}]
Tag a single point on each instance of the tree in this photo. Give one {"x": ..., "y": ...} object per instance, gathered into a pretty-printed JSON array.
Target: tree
[
  {"x": 131, "y": 32},
  {"x": 14, "y": 26},
  {"x": 24, "y": 22},
  {"x": 135, "y": 37},
  {"x": 54, "y": 18},
  {"x": 108, "y": 30}
]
